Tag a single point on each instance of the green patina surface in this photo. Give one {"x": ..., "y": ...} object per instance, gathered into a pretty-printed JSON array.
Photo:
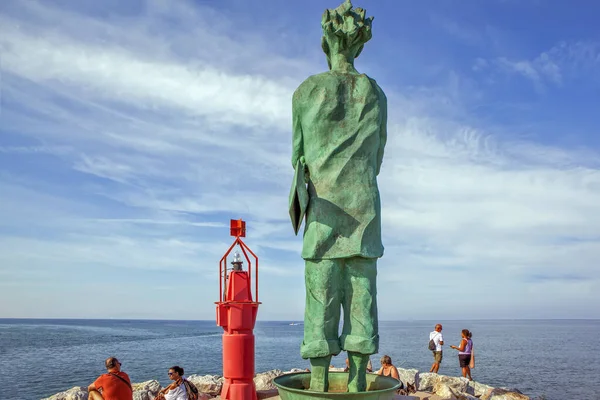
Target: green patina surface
[
  {"x": 339, "y": 135},
  {"x": 296, "y": 387}
]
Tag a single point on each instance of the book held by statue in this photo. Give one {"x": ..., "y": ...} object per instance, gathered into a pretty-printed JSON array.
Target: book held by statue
[{"x": 298, "y": 198}]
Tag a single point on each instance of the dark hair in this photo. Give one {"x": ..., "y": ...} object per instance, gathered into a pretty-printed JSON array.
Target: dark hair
[
  {"x": 387, "y": 360},
  {"x": 467, "y": 333},
  {"x": 177, "y": 369},
  {"x": 111, "y": 362}
]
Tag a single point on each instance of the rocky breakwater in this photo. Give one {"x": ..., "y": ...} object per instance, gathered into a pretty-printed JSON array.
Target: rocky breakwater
[
  {"x": 209, "y": 385},
  {"x": 429, "y": 387}
]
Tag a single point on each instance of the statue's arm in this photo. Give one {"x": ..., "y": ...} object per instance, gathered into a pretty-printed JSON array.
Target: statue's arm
[
  {"x": 297, "y": 138},
  {"x": 382, "y": 130}
]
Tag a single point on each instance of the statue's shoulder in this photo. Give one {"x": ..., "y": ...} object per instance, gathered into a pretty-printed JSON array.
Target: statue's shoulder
[
  {"x": 330, "y": 81},
  {"x": 377, "y": 88},
  {"x": 313, "y": 82}
]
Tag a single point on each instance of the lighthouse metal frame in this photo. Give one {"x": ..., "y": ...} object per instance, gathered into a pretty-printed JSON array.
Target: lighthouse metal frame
[
  {"x": 238, "y": 230},
  {"x": 236, "y": 314}
]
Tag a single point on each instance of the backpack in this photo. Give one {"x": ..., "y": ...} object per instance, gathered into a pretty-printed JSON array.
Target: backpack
[
  {"x": 191, "y": 389},
  {"x": 432, "y": 345}
]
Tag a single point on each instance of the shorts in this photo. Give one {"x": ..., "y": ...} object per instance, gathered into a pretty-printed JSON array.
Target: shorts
[
  {"x": 437, "y": 357},
  {"x": 464, "y": 360}
]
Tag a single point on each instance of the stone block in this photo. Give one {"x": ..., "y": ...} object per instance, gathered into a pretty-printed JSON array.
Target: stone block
[{"x": 209, "y": 384}]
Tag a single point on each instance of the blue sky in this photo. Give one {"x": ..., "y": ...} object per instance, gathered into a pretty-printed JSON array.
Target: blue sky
[{"x": 131, "y": 132}]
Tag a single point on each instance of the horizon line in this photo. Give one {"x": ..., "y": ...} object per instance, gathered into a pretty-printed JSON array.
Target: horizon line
[{"x": 294, "y": 320}]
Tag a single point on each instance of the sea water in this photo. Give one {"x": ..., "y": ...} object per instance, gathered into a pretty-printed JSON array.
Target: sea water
[{"x": 38, "y": 358}]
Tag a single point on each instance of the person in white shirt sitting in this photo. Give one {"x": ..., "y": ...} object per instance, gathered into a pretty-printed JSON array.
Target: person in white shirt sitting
[{"x": 177, "y": 389}]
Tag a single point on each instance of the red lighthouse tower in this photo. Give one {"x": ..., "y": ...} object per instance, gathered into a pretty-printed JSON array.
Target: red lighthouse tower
[{"x": 236, "y": 313}]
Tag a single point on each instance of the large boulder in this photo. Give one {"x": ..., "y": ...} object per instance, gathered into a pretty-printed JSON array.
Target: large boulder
[
  {"x": 409, "y": 376},
  {"x": 427, "y": 381},
  {"x": 445, "y": 392},
  {"x": 504, "y": 394},
  {"x": 458, "y": 385},
  {"x": 209, "y": 384},
  {"x": 466, "y": 396},
  {"x": 76, "y": 393},
  {"x": 478, "y": 389},
  {"x": 145, "y": 390},
  {"x": 448, "y": 389},
  {"x": 264, "y": 380}
]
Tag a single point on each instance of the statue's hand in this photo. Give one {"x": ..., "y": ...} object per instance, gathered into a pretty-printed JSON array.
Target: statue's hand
[{"x": 306, "y": 172}]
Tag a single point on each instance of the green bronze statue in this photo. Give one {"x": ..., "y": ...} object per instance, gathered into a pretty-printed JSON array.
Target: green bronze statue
[{"x": 339, "y": 134}]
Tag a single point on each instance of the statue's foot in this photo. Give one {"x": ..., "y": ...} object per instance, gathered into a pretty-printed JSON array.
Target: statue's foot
[
  {"x": 319, "y": 374},
  {"x": 357, "y": 376}
]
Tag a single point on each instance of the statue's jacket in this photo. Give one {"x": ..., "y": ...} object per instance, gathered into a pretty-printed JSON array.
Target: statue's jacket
[{"x": 339, "y": 126}]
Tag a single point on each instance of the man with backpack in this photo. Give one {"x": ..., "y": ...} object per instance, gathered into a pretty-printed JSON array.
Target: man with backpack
[{"x": 436, "y": 341}]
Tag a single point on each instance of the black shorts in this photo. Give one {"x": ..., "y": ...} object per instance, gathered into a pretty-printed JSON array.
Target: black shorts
[{"x": 464, "y": 360}]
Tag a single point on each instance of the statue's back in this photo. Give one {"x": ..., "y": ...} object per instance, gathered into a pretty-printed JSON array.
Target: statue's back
[
  {"x": 335, "y": 108},
  {"x": 342, "y": 122}
]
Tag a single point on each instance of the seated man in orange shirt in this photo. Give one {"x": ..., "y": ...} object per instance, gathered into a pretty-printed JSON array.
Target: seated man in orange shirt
[{"x": 114, "y": 385}]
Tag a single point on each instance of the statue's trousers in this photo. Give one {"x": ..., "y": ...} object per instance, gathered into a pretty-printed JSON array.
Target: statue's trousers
[{"x": 349, "y": 283}]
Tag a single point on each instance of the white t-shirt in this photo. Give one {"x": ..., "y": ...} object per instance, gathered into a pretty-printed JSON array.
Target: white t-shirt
[
  {"x": 437, "y": 338},
  {"x": 179, "y": 393}
]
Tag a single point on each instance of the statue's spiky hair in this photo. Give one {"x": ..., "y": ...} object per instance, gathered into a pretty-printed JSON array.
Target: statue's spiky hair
[{"x": 348, "y": 28}]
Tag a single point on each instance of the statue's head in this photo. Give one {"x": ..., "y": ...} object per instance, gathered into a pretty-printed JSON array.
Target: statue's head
[{"x": 345, "y": 31}]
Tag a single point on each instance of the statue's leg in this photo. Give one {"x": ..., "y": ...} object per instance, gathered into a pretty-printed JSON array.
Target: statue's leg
[
  {"x": 357, "y": 377},
  {"x": 321, "y": 318},
  {"x": 360, "y": 335},
  {"x": 319, "y": 373}
]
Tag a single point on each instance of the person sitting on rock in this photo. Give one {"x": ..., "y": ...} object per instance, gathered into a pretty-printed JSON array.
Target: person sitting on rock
[
  {"x": 114, "y": 385},
  {"x": 387, "y": 368},
  {"x": 179, "y": 389}
]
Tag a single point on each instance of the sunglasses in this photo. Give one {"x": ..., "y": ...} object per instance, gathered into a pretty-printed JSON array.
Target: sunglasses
[{"x": 172, "y": 373}]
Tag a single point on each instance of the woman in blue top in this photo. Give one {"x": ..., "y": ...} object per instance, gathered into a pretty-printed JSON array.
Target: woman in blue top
[{"x": 465, "y": 351}]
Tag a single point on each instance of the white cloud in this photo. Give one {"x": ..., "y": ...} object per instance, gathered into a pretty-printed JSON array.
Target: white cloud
[
  {"x": 54, "y": 150},
  {"x": 116, "y": 74},
  {"x": 565, "y": 60},
  {"x": 172, "y": 132}
]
